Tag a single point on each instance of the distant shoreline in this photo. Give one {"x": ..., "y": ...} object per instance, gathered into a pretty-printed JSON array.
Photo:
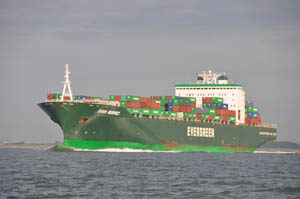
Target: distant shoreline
[{"x": 26, "y": 146}]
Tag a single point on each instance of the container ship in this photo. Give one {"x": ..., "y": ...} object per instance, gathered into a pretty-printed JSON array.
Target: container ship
[{"x": 211, "y": 115}]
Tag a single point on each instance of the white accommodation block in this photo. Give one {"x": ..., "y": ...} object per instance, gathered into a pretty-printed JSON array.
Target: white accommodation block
[{"x": 211, "y": 84}]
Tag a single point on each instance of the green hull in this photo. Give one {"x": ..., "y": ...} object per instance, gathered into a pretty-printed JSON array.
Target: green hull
[{"x": 110, "y": 127}]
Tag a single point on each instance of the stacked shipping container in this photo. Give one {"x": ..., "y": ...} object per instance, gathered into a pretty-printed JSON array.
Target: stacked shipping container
[
  {"x": 57, "y": 96},
  {"x": 252, "y": 115},
  {"x": 165, "y": 106},
  {"x": 214, "y": 109}
]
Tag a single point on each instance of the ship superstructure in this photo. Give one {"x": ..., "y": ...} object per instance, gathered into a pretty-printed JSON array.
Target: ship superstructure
[{"x": 210, "y": 84}]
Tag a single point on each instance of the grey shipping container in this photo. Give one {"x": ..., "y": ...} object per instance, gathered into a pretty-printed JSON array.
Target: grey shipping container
[{"x": 202, "y": 110}]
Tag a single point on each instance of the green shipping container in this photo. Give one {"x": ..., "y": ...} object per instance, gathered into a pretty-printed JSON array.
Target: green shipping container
[
  {"x": 56, "y": 96},
  {"x": 145, "y": 111},
  {"x": 252, "y": 109},
  {"x": 112, "y": 98},
  {"x": 155, "y": 112},
  {"x": 165, "y": 113},
  {"x": 192, "y": 99},
  {"x": 163, "y": 102},
  {"x": 156, "y": 101},
  {"x": 134, "y": 110},
  {"x": 172, "y": 114},
  {"x": 204, "y": 105},
  {"x": 193, "y": 110},
  {"x": 97, "y": 98},
  {"x": 184, "y": 102},
  {"x": 123, "y": 104},
  {"x": 231, "y": 119},
  {"x": 212, "y": 111},
  {"x": 204, "y": 117},
  {"x": 132, "y": 98},
  {"x": 217, "y": 117},
  {"x": 189, "y": 115},
  {"x": 74, "y": 97},
  {"x": 175, "y": 102},
  {"x": 214, "y": 106},
  {"x": 217, "y": 100}
]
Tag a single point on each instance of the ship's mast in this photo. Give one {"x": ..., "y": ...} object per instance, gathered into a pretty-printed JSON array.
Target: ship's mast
[
  {"x": 211, "y": 78},
  {"x": 67, "y": 85}
]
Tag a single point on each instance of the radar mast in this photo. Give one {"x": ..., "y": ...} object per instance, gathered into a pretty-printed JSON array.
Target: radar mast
[{"x": 67, "y": 85}]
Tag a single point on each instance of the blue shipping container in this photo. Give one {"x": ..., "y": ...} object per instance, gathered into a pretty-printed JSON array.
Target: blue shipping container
[
  {"x": 180, "y": 98},
  {"x": 252, "y": 115},
  {"x": 225, "y": 106},
  {"x": 170, "y": 102},
  {"x": 209, "y": 105},
  {"x": 222, "y": 106},
  {"x": 170, "y": 108},
  {"x": 81, "y": 97}
]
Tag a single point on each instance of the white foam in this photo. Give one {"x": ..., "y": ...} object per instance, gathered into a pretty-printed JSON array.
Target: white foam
[
  {"x": 126, "y": 150},
  {"x": 278, "y": 152}
]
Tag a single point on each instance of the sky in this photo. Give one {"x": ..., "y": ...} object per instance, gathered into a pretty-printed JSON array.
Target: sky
[{"x": 145, "y": 47}]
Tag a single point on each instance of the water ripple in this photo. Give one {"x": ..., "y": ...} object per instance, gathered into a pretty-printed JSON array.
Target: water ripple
[{"x": 49, "y": 174}]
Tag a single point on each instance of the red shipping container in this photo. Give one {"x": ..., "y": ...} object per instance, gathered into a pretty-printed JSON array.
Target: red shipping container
[
  {"x": 193, "y": 105},
  {"x": 89, "y": 97},
  {"x": 179, "y": 109},
  {"x": 168, "y": 98},
  {"x": 226, "y": 112},
  {"x": 252, "y": 121},
  {"x": 144, "y": 99},
  {"x": 149, "y": 100},
  {"x": 221, "y": 112},
  {"x": 211, "y": 117},
  {"x": 66, "y": 97},
  {"x": 224, "y": 118},
  {"x": 231, "y": 113},
  {"x": 49, "y": 96},
  {"x": 182, "y": 108},
  {"x": 206, "y": 99},
  {"x": 133, "y": 105},
  {"x": 152, "y": 97},
  {"x": 188, "y": 109},
  {"x": 198, "y": 116},
  {"x": 118, "y": 98},
  {"x": 176, "y": 109},
  {"x": 156, "y": 105},
  {"x": 259, "y": 116}
]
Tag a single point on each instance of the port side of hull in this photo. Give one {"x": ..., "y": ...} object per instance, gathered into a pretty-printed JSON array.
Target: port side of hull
[{"x": 91, "y": 126}]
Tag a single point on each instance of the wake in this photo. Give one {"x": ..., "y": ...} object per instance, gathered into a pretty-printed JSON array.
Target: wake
[{"x": 126, "y": 150}]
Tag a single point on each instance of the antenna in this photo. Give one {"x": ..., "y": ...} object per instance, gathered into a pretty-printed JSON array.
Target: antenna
[{"x": 67, "y": 85}]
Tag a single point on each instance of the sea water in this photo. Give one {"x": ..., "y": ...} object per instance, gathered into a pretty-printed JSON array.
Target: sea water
[{"x": 132, "y": 174}]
